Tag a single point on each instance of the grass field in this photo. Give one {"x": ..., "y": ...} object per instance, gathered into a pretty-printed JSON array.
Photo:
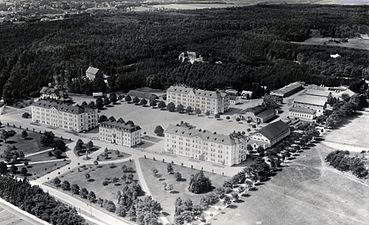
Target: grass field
[
  {"x": 306, "y": 192},
  {"x": 97, "y": 176},
  {"x": 39, "y": 170},
  {"x": 165, "y": 198},
  {"x": 353, "y": 133},
  {"x": 8, "y": 218}
]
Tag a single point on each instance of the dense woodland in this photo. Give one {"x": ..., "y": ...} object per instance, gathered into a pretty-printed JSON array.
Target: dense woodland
[{"x": 141, "y": 49}]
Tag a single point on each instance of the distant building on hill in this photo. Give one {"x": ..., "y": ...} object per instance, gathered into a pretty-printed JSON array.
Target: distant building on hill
[
  {"x": 120, "y": 133},
  {"x": 204, "y": 145},
  {"x": 190, "y": 57},
  {"x": 91, "y": 72},
  {"x": 66, "y": 116},
  {"x": 286, "y": 91},
  {"x": 53, "y": 93},
  {"x": 270, "y": 135},
  {"x": 213, "y": 102}
]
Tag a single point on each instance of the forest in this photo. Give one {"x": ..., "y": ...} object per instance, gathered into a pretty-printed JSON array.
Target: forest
[{"x": 244, "y": 48}]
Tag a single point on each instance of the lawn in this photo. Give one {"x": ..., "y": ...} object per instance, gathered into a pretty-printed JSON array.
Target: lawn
[
  {"x": 42, "y": 157},
  {"x": 29, "y": 145},
  {"x": 38, "y": 170},
  {"x": 355, "y": 132},
  {"x": 8, "y": 218},
  {"x": 97, "y": 176},
  {"x": 305, "y": 192},
  {"x": 111, "y": 154},
  {"x": 165, "y": 198}
]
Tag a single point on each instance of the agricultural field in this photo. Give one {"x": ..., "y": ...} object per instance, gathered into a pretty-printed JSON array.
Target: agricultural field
[
  {"x": 307, "y": 191},
  {"x": 167, "y": 198}
]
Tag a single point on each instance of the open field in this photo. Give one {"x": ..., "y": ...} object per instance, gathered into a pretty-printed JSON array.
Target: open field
[
  {"x": 165, "y": 198},
  {"x": 306, "y": 192},
  {"x": 354, "y": 133},
  {"x": 97, "y": 176},
  {"x": 149, "y": 118},
  {"x": 8, "y": 218},
  {"x": 358, "y": 43},
  {"x": 39, "y": 170}
]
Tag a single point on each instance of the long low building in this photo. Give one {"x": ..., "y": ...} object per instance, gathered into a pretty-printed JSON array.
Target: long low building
[
  {"x": 280, "y": 94},
  {"x": 186, "y": 140},
  {"x": 302, "y": 113},
  {"x": 314, "y": 102},
  {"x": 67, "y": 116},
  {"x": 120, "y": 133},
  {"x": 270, "y": 135},
  {"x": 257, "y": 114},
  {"x": 213, "y": 102}
]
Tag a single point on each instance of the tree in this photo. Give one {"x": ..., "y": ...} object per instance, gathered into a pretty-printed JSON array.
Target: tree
[
  {"x": 155, "y": 171},
  {"x": 13, "y": 169},
  {"x": 79, "y": 145},
  {"x": 197, "y": 111},
  {"x": 208, "y": 113},
  {"x": 89, "y": 145},
  {"x": 83, "y": 193},
  {"x": 110, "y": 206},
  {"x": 171, "y": 107},
  {"x": 47, "y": 138},
  {"x": 91, "y": 196},
  {"x": 170, "y": 168},
  {"x": 75, "y": 189},
  {"x": 135, "y": 100},
  {"x": 199, "y": 183},
  {"x": 102, "y": 118},
  {"x": 143, "y": 102},
  {"x": 161, "y": 105},
  {"x": 227, "y": 200},
  {"x": 180, "y": 108},
  {"x": 56, "y": 182},
  {"x": 99, "y": 103},
  {"x": 65, "y": 186},
  {"x": 26, "y": 115},
  {"x": 217, "y": 116},
  {"x": 58, "y": 153},
  {"x": 178, "y": 176},
  {"x": 112, "y": 119},
  {"x": 60, "y": 145},
  {"x": 189, "y": 109},
  {"x": 128, "y": 98},
  {"x": 92, "y": 105},
  {"x": 113, "y": 98},
  {"x": 24, "y": 134},
  {"x": 106, "y": 101},
  {"x": 24, "y": 171},
  {"x": 159, "y": 131},
  {"x": 3, "y": 168},
  {"x": 152, "y": 103}
]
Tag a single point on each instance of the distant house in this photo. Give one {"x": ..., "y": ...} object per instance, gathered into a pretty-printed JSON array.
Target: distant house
[
  {"x": 53, "y": 93},
  {"x": 286, "y": 91},
  {"x": 246, "y": 94},
  {"x": 235, "y": 99},
  {"x": 269, "y": 135},
  {"x": 189, "y": 57},
  {"x": 257, "y": 114},
  {"x": 302, "y": 113},
  {"x": 142, "y": 94},
  {"x": 91, "y": 72}
]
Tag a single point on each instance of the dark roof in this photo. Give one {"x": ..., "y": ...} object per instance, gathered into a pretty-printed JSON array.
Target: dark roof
[
  {"x": 64, "y": 107},
  {"x": 257, "y": 109},
  {"x": 205, "y": 135},
  {"x": 273, "y": 130},
  {"x": 142, "y": 94},
  {"x": 288, "y": 89},
  {"x": 128, "y": 126},
  {"x": 266, "y": 113}
]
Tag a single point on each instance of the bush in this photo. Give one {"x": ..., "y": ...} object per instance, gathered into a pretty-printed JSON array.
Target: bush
[{"x": 159, "y": 131}]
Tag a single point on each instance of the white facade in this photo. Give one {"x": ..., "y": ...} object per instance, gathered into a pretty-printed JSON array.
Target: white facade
[
  {"x": 270, "y": 135},
  {"x": 126, "y": 134},
  {"x": 66, "y": 116},
  {"x": 302, "y": 113},
  {"x": 203, "y": 145},
  {"x": 213, "y": 102}
]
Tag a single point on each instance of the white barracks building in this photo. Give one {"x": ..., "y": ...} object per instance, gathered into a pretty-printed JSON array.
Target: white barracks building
[
  {"x": 120, "y": 133},
  {"x": 185, "y": 140},
  {"x": 63, "y": 115},
  {"x": 213, "y": 101}
]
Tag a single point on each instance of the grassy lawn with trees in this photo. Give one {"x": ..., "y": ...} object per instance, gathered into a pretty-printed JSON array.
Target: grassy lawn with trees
[
  {"x": 168, "y": 197},
  {"x": 104, "y": 180},
  {"x": 39, "y": 170}
]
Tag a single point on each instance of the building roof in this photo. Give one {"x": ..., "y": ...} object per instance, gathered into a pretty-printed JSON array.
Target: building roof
[
  {"x": 274, "y": 130},
  {"x": 204, "y": 93},
  {"x": 91, "y": 72},
  {"x": 288, "y": 88},
  {"x": 128, "y": 126},
  {"x": 256, "y": 109},
  {"x": 234, "y": 97},
  {"x": 142, "y": 94},
  {"x": 311, "y": 99},
  {"x": 303, "y": 110},
  {"x": 266, "y": 113},
  {"x": 64, "y": 107},
  {"x": 205, "y": 135},
  {"x": 318, "y": 92}
]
